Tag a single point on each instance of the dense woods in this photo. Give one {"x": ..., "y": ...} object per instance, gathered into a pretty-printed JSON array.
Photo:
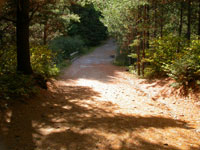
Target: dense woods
[
  {"x": 99, "y": 74},
  {"x": 155, "y": 37},
  {"x": 37, "y": 38}
]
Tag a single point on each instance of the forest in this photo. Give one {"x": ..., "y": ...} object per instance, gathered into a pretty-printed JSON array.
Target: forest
[
  {"x": 99, "y": 74},
  {"x": 160, "y": 37},
  {"x": 155, "y": 38},
  {"x": 37, "y": 38}
]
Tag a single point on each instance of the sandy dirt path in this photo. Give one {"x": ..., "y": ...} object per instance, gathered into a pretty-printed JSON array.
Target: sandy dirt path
[{"x": 95, "y": 105}]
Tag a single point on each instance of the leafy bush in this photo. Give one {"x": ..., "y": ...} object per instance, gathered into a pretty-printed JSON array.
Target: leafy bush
[
  {"x": 8, "y": 60},
  {"x": 163, "y": 51},
  {"x": 175, "y": 57},
  {"x": 121, "y": 60},
  {"x": 43, "y": 61},
  {"x": 186, "y": 68},
  {"x": 64, "y": 46},
  {"x": 14, "y": 85},
  {"x": 150, "y": 72}
]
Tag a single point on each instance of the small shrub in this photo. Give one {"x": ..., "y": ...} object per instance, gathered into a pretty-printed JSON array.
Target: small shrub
[
  {"x": 121, "y": 60},
  {"x": 64, "y": 46},
  {"x": 164, "y": 51},
  {"x": 43, "y": 61},
  {"x": 186, "y": 69},
  {"x": 151, "y": 73},
  {"x": 132, "y": 69},
  {"x": 15, "y": 85},
  {"x": 8, "y": 60}
]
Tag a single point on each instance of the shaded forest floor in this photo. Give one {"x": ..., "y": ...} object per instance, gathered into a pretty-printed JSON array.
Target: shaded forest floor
[{"x": 95, "y": 105}]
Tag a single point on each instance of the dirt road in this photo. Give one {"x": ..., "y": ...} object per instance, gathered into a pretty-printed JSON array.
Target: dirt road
[{"x": 95, "y": 105}]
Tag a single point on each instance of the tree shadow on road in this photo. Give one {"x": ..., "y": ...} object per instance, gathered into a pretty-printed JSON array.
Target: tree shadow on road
[
  {"x": 105, "y": 73},
  {"x": 70, "y": 118}
]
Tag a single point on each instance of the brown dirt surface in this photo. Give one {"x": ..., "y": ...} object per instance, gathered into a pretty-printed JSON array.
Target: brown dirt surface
[{"x": 95, "y": 105}]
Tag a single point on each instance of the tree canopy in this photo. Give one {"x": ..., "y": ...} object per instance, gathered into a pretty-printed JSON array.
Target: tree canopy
[{"x": 153, "y": 36}]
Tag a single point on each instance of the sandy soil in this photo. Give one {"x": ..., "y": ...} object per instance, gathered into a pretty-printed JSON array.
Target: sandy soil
[{"x": 95, "y": 105}]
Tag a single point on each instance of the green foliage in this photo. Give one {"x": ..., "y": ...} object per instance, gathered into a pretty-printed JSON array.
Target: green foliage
[
  {"x": 43, "y": 61},
  {"x": 186, "y": 68},
  {"x": 8, "y": 60},
  {"x": 16, "y": 86},
  {"x": 150, "y": 72},
  {"x": 175, "y": 57},
  {"x": 164, "y": 51},
  {"x": 132, "y": 69},
  {"x": 120, "y": 17},
  {"x": 64, "y": 46},
  {"x": 121, "y": 60},
  {"x": 90, "y": 28}
]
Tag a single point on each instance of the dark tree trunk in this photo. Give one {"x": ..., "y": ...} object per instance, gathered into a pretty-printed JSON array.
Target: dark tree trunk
[
  {"x": 180, "y": 24},
  {"x": 189, "y": 21},
  {"x": 138, "y": 60},
  {"x": 161, "y": 22},
  {"x": 181, "y": 19},
  {"x": 199, "y": 21},
  {"x": 144, "y": 38},
  {"x": 22, "y": 29},
  {"x": 138, "y": 46},
  {"x": 143, "y": 52},
  {"x": 45, "y": 34},
  {"x": 155, "y": 19},
  {"x": 148, "y": 22},
  {"x": 130, "y": 40}
]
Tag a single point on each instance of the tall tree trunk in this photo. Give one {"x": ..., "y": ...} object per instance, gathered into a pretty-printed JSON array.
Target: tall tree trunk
[
  {"x": 138, "y": 46},
  {"x": 45, "y": 34},
  {"x": 138, "y": 60},
  {"x": 199, "y": 21},
  {"x": 180, "y": 24},
  {"x": 148, "y": 22},
  {"x": 143, "y": 52},
  {"x": 181, "y": 19},
  {"x": 22, "y": 29},
  {"x": 130, "y": 40},
  {"x": 161, "y": 22},
  {"x": 155, "y": 19},
  {"x": 189, "y": 21},
  {"x": 144, "y": 38}
]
